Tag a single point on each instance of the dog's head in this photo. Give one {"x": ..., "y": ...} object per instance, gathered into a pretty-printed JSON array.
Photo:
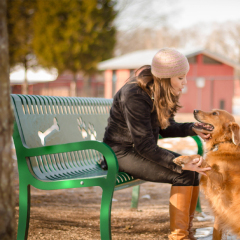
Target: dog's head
[{"x": 219, "y": 123}]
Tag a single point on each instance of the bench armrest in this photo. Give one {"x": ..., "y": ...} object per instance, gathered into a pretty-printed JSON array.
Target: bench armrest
[
  {"x": 23, "y": 151},
  {"x": 197, "y": 140},
  {"x": 101, "y": 147}
]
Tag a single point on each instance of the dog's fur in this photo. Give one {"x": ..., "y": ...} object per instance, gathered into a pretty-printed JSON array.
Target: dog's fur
[{"x": 222, "y": 184}]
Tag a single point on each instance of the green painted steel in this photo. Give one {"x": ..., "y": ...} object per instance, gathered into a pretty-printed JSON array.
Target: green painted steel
[
  {"x": 58, "y": 146},
  {"x": 199, "y": 144},
  {"x": 135, "y": 197},
  {"x": 198, "y": 207}
]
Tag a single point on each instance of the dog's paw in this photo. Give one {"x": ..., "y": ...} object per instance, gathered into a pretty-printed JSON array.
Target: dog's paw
[
  {"x": 184, "y": 159},
  {"x": 181, "y": 160}
]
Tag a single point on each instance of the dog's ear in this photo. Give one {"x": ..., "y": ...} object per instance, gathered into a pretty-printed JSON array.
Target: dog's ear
[{"x": 235, "y": 129}]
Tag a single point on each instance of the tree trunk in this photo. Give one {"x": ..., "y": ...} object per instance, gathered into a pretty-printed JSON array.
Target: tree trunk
[
  {"x": 25, "y": 83},
  {"x": 7, "y": 196}
]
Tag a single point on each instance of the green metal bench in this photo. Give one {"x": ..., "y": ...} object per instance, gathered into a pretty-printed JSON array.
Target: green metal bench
[{"x": 58, "y": 146}]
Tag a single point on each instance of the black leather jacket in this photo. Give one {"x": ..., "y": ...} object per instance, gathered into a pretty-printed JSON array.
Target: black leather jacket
[{"x": 133, "y": 124}]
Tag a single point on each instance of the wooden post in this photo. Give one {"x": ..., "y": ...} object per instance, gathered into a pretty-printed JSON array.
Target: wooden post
[
  {"x": 73, "y": 86},
  {"x": 25, "y": 83}
]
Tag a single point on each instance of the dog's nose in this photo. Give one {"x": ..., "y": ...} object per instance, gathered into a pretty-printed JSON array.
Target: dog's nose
[{"x": 196, "y": 111}]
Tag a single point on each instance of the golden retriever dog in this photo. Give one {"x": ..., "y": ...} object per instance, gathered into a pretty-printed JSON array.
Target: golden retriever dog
[{"x": 221, "y": 186}]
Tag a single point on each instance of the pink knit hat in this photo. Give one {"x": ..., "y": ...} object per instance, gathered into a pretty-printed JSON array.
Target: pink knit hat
[{"x": 168, "y": 63}]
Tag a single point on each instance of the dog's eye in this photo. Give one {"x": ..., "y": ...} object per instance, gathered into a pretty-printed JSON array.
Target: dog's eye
[{"x": 214, "y": 113}]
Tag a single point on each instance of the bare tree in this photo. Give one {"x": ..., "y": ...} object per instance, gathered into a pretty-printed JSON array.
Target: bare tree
[
  {"x": 193, "y": 37},
  {"x": 146, "y": 38},
  {"x": 7, "y": 199},
  {"x": 217, "y": 40},
  {"x": 234, "y": 33},
  {"x": 144, "y": 13},
  {"x": 144, "y": 24}
]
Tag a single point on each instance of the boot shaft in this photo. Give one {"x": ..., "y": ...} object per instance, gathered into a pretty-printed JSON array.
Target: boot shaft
[{"x": 179, "y": 209}]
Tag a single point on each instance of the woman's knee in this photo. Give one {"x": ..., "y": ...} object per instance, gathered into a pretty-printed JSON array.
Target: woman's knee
[
  {"x": 186, "y": 178},
  {"x": 196, "y": 180}
]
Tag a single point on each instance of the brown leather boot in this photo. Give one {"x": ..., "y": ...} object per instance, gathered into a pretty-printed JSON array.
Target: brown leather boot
[
  {"x": 193, "y": 205},
  {"x": 179, "y": 208}
]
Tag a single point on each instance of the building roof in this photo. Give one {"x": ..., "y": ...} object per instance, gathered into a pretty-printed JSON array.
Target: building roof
[
  {"x": 38, "y": 75},
  {"x": 139, "y": 58}
]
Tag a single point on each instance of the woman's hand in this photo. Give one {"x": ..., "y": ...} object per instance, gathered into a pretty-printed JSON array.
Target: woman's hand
[
  {"x": 204, "y": 135},
  {"x": 194, "y": 165}
]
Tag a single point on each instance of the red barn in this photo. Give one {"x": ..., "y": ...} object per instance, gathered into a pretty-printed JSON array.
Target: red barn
[
  {"x": 211, "y": 79},
  {"x": 49, "y": 83}
]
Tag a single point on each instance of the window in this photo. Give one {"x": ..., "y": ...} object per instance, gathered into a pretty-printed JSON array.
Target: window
[
  {"x": 192, "y": 59},
  {"x": 208, "y": 60},
  {"x": 222, "y": 104}
]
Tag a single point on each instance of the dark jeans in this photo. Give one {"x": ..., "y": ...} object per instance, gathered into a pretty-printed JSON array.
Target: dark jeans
[{"x": 142, "y": 168}]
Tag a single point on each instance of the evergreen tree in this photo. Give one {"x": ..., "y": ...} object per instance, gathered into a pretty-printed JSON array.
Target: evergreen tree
[
  {"x": 20, "y": 29},
  {"x": 74, "y": 34}
]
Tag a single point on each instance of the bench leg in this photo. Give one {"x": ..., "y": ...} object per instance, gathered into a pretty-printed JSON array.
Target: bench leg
[
  {"x": 24, "y": 212},
  {"x": 135, "y": 196},
  {"x": 198, "y": 207},
  {"x": 105, "y": 214}
]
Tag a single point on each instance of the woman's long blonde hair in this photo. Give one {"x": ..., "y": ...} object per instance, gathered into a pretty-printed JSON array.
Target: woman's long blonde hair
[{"x": 160, "y": 90}]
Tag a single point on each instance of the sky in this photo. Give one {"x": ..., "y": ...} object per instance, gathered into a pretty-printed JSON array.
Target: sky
[
  {"x": 197, "y": 11},
  {"x": 181, "y": 13}
]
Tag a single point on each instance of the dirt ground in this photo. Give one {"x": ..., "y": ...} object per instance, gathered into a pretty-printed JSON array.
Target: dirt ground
[{"x": 74, "y": 214}]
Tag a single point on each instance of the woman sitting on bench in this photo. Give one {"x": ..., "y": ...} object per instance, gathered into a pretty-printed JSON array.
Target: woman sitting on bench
[{"x": 144, "y": 108}]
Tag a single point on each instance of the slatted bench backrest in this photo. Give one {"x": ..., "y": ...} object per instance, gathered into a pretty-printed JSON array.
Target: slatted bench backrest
[{"x": 45, "y": 121}]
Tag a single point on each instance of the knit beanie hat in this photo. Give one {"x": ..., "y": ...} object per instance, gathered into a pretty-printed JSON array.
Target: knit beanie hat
[{"x": 168, "y": 63}]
